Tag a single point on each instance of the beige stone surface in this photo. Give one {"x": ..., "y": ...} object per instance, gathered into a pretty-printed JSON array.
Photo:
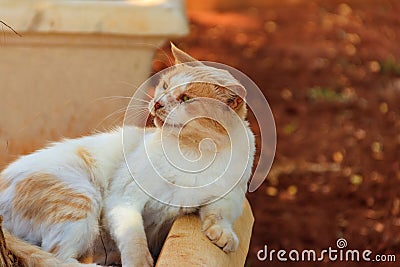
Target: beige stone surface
[
  {"x": 72, "y": 55},
  {"x": 187, "y": 246}
]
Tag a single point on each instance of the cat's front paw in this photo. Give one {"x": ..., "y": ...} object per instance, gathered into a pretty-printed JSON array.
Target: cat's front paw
[{"x": 221, "y": 234}]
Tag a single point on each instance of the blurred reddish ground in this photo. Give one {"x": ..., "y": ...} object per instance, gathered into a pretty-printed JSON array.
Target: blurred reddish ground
[{"x": 331, "y": 73}]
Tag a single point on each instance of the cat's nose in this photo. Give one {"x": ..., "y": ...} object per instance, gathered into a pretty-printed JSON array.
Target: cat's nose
[{"x": 157, "y": 106}]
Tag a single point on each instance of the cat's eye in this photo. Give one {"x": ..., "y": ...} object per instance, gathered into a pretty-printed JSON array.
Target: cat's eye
[
  {"x": 185, "y": 98},
  {"x": 165, "y": 86}
]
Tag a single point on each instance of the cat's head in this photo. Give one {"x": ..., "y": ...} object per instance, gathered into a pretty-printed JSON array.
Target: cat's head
[{"x": 178, "y": 93}]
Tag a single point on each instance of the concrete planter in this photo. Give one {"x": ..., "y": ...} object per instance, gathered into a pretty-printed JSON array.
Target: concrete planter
[{"x": 71, "y": 55}]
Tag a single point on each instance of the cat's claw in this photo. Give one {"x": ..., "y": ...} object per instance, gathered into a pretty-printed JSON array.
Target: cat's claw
[{"x": 223, "y": 237}]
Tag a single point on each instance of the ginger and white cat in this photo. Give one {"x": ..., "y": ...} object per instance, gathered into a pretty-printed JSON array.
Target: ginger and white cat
[{"x": 62, "y": 202}]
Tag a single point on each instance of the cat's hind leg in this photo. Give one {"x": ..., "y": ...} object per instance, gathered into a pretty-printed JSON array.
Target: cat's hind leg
[
  {"x": 30, "y": 255},
  {"x": 71, "y": 240},
  {"x": 61, "y": 214}
]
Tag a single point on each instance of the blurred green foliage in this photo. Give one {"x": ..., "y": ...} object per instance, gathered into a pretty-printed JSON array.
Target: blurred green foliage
[
  {"x": 390, "y": 66},
  {"x": 325, "y": 94}
]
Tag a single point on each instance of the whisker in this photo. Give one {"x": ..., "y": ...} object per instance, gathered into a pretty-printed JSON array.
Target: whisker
[
  {"x": 117, "y": 112},
  {"x": 133, "y": 118},
  {"x": 146, "y": 94},
  {"x": 120, "y": 118},
  {"x": 129, "y": 84},
  {"x": 142, "y": 100},
  {"x": 135, "y": 115},
  {"x": 136, "y": 108},
  {"x": 114, "y": 97},
  {"x": 139, "y": 103}
]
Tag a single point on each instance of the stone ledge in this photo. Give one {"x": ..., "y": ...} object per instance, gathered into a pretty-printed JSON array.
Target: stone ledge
[
  {"x": 121, "y": 17},
  {"x": 187, "y": 246}
]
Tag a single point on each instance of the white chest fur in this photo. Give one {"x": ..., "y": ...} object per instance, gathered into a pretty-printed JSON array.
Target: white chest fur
[{"x": 172, "y": 176}]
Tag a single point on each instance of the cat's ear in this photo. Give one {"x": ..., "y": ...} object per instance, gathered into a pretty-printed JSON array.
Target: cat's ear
[
  {"x": 182, "y": 57},
  {"x": 238, "y": 93}
]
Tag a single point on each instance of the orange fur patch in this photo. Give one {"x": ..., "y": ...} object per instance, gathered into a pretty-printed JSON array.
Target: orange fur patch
[
  {"x": 24, "y": 251},
  {"x": 55, "y": 249},
  {"x": 201, "y": 90},
  {"x": 86, "y": 259},
  {"x": 222, "y": 94},
  {"x": 212, "y": 124},
  {"x": 42, "y": 197},
  {"x": 4, "y": 184},
  {"x": 85, "y": 155},
  {"x": 207, "y": 90}
]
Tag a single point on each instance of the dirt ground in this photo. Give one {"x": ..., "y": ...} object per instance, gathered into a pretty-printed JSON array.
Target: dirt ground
[{"x": 331, "y": 73}]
